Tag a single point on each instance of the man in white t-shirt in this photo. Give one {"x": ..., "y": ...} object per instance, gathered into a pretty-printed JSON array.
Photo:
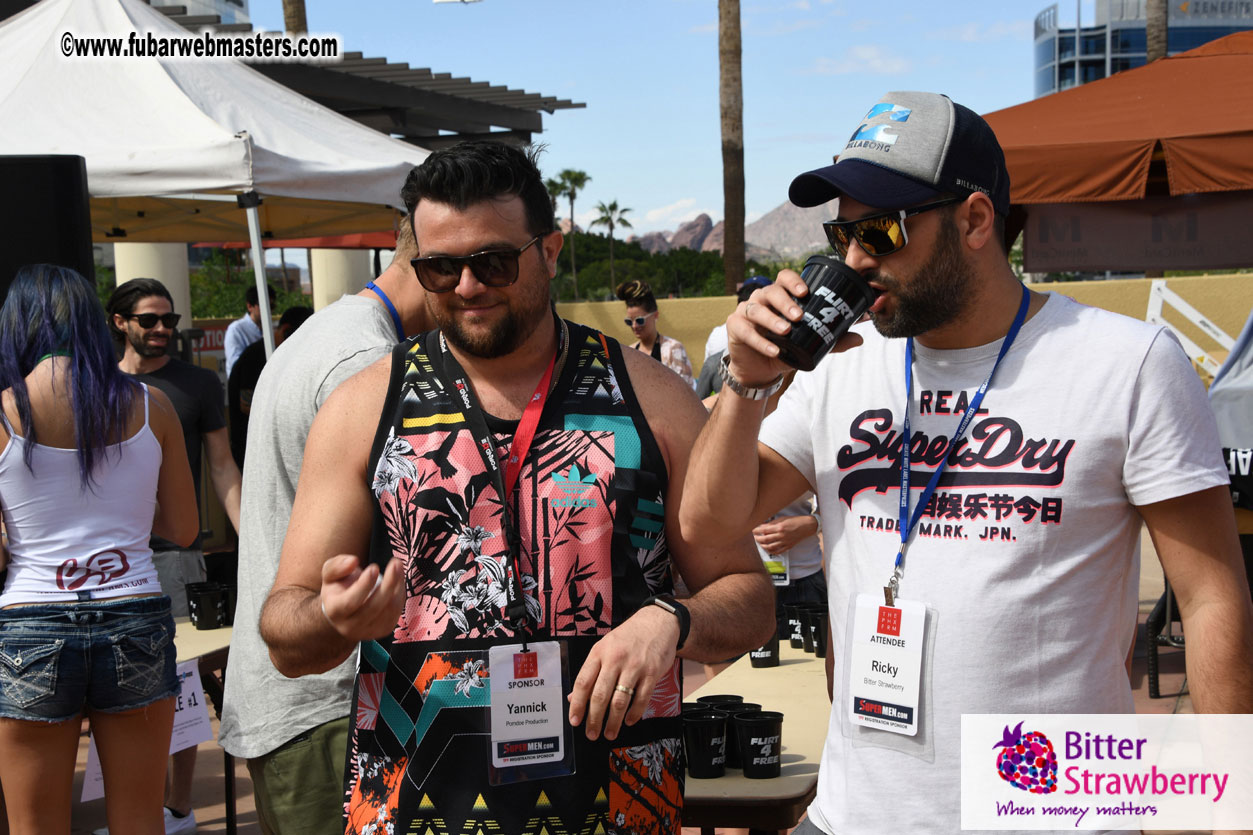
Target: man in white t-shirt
[{"x": 1023, "y": 566}]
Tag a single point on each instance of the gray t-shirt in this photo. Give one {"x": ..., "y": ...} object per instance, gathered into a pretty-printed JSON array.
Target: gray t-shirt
[{"x": 263, "y": 708}]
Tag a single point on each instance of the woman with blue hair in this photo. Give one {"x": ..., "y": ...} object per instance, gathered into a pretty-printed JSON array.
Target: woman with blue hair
[{"x": 91, "y": 463}]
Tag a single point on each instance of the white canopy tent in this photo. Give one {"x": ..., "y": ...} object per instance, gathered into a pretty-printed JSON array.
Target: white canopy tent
[{"x": 180, "y": 150}]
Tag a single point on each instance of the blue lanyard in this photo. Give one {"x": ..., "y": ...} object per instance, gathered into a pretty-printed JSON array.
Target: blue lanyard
[
  {"x": 391, "y": 308},
  {"x": 906, "y": 523}
]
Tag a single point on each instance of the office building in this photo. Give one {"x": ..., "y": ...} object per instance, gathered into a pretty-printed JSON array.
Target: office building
[{"x": 1115, "y": 41}]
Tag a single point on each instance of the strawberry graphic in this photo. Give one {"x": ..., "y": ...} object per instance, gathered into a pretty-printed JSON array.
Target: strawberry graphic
[{"x": 1027, "y": 761}]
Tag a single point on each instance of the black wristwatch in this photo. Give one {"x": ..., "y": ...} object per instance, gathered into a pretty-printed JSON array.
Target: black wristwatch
[{"x": 674, "y": 607}]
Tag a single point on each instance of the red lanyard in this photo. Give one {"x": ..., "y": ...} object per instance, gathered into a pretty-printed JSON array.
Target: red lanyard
[{"x": 525, "y": 433}]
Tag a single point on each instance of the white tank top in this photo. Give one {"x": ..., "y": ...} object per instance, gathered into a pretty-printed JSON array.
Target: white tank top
[{"x": 67, "y": 541}]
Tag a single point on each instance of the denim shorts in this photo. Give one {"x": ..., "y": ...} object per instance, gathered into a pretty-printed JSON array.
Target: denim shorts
[{"x": 59, "y": 659}]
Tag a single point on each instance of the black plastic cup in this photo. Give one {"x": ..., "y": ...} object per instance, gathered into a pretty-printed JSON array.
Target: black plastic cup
[
  {"x": 704, "y": 742},
  {"x": 731, "y": 710},
  {"x": 838, "y": 296},
  {"x": 206, "y": 604},
  {"x": 766, "y": 655},
  {"x": 796, "y": 635},
  {"x": 718, "y": 699},
  {"x": 760, "y": 736},
  {"x": 816, "y": 622},
  {"x": 807, "y": 635}
]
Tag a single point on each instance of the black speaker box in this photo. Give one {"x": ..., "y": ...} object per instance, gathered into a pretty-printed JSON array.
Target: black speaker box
[{"x": 45, "y": 217}]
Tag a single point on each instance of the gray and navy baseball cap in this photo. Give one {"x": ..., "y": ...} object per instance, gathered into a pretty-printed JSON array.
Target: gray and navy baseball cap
[{"x": 909, "y": 149}]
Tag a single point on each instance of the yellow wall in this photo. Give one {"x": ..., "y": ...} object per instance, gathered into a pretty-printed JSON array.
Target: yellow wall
[
  {"x": 1223, "y": 299},
  {"x": 687, "y": 320},
  {"x": 1226, "y": 300}
]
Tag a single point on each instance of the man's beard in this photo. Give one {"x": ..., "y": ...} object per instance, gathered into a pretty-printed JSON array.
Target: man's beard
[
  {"x": 142, "y": 346},
  {"x": 525, "y": 314},
  {"x": 938, "y": 292}
]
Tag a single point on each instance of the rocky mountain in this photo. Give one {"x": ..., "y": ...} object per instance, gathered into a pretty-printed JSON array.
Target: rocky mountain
[
  {"x": 789, "y": 230},
  {"x": 713, "y": 241},
  {"x": 654, "y": 243},
  {"x": 784, "y": 232},
  {"x": 692, "y": 234}
]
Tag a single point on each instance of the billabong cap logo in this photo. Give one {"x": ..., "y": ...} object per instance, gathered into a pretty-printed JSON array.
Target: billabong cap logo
[
  {"x": 1027, "y": 761},
  {"x": 894, "y": 112},
  {"x": 881, "y": 133},
  {"x": 574, "y": 483},
  {"x": 874, "y": 133}
]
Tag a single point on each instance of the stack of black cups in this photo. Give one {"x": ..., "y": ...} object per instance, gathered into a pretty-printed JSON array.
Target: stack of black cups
[
  {"x": 724, "y": 731},
  {"x": 211, "y": 605}
]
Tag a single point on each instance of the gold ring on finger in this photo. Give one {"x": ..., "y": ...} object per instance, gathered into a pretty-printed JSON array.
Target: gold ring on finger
[{"x": 621, "y": 688}]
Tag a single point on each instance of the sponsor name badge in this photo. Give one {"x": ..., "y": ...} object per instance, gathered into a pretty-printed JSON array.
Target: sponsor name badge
[
  {"x": 528, "y": 704},
  {"x": 886, "y": 664},
  {"x": 777, "y": 568}
]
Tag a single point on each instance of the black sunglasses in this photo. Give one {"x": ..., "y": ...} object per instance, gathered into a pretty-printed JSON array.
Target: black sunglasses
[
  {"x": 880, "y": 234},
  {"x": 149, "y": 320},
  {"x": 494, "y": 268}
]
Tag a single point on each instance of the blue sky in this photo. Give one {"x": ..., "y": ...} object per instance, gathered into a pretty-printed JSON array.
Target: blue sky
[{"x": 648, "y": 72}]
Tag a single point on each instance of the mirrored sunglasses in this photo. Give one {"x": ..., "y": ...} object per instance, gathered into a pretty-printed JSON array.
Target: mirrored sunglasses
[
  {"x": 638, "y": 321},
  {"x": 494, "y": 268},
  {"x": 149, "y": 320},
  {"x": 880, "y": 234}
]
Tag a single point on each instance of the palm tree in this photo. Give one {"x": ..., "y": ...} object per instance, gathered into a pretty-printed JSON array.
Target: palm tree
[
  {"x": 731, "y": 96},
  {"x": 611, "y": 216},
  {"x": 294, "y": 20},
  {"x": 556, "y": 191},
  {"x": 1155, "y": 30},
  {"x": 572, "y": 182}
]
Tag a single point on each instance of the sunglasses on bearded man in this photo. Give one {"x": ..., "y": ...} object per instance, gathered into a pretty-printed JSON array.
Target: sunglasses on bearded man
[
  {"x": 494, "y": 268},
  {"x": 149, "y": 320},
  {"x": 880, "y": 234}
]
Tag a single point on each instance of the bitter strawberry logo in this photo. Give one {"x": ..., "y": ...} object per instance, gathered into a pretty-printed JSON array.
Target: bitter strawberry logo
[
  {"x": 104, "y": 567},
  {"x": 1027, "y": 761}
]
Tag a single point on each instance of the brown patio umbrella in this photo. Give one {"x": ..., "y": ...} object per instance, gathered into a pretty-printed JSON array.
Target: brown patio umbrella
[{"x": 1095, "y": 142}]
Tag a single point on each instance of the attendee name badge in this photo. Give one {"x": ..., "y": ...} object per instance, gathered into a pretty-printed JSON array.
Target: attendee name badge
[
  {"x": 885, "y": 664},
  {"x": 528, "y": 705},
  {"x": 777, "y": 568}
]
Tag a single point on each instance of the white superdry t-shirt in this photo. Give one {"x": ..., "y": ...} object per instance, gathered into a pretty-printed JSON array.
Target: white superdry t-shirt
[{"x": 1029, "y": 551}]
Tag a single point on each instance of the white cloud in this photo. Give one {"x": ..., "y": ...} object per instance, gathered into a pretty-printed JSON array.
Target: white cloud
[
  {"x": 704, "y": 29},
  {"x": 983, "y": 33},
  {"x": 802, "y": 5},
  {"x": 680, "y": 211},
  {"x": 665, "y": 213},
  {"x": 866, "y": 58}
]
